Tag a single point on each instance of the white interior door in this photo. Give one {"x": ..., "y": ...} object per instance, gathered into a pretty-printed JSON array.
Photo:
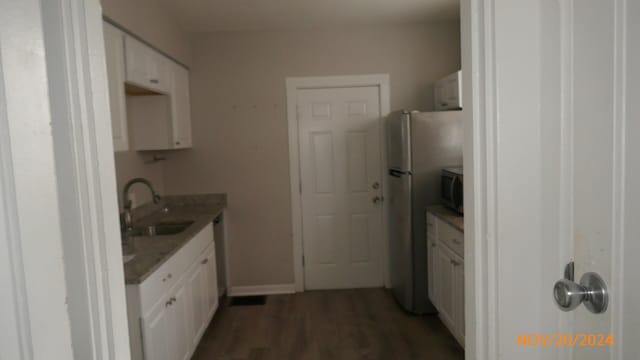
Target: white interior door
[
  {"x": 592, "y": 48},
  {"x": 554, "y": 174},
  {"x": 340, "y": 169}
]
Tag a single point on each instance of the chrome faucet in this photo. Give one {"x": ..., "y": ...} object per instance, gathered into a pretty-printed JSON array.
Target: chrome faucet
[{"x": 128, "y": 217}]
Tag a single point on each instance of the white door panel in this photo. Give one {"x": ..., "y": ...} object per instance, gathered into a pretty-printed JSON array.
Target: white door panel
[
  {"x": 554, "y": 160},
  {"x": 339, "y": 136}
]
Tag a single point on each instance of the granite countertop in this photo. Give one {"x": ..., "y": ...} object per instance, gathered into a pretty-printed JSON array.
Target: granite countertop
[
  {"x": 447, "y": 215},
  {"x": 153, "y": 251}
]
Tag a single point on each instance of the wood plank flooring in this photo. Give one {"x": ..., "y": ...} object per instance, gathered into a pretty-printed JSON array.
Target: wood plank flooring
[{"x": 336, "y": 325}]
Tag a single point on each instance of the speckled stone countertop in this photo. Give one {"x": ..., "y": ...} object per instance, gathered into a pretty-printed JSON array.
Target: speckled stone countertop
[
  {"x": 153, "y": 251},
  {"x": 447, "y": 215}
]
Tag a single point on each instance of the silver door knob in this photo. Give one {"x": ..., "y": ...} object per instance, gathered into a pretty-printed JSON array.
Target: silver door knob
[{"x": 592, "y": 291}]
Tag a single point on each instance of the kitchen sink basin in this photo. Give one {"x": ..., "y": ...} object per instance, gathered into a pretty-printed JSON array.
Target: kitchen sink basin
[{"x": 162, "y": 228}]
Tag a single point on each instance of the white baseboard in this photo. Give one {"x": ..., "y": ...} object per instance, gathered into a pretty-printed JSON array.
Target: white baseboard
[{"x": 262, "y": 290}]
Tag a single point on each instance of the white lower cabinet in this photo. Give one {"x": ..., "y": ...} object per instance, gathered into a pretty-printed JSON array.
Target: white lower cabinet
[
  {"x": 155, "y": 331},
  {"x": 446, "y": 277},
  {"x": 166, "y": 329},
  {"x": 212, "y": 281},
  {"x": 175, "y": 304}
]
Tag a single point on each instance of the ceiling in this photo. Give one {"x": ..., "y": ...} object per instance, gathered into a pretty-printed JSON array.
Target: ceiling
[{"x": 234, "y": 15}]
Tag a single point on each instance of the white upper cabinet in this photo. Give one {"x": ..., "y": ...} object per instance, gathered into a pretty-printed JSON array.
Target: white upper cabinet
[
  {"x": 163, "y": 122},
  {"x": 155, "y": 99},
  {"x": 180, "y": 107},
  {"x": 114, "y": 51},
  {"x": 448, "y": 92},
  {"x": 146, "y": 68}
]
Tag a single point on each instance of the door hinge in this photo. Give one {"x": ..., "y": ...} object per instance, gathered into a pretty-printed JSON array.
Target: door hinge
[{"x": 303, "y": 262}]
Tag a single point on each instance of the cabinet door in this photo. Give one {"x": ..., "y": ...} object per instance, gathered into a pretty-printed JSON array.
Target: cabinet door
[
  {"x": 156, "y": 333},
  {"x": 197, "y": 285},
  {"x": 458, "y": 286},
  {"x": 114, "y": 52},
  {"x": 212, "y": 281},
  {"x": 444, "y": 274},
  {"x": 179, "y": 330},
  {"x": 180, "y": 107},
  {"x": 452, "y": 92},
  {"x": 145, "y": 67},
  {"x": 137, "y": 69},
  {"x": 432, "y": 270}
]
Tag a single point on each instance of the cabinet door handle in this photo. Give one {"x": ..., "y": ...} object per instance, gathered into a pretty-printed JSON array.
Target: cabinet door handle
[
  {"x": 455, "y": 263},
  {"x": 433, "y": 244},
  {"x": 154, "y": 81},
  {"x": 177, "y": 142},
  {"x": 168, "y": 303},
  {"x": 456, "y": 241},
  {"x": 203, "y": 262}
]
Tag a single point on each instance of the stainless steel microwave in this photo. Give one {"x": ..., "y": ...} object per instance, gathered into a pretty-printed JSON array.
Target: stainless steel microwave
[{"x": 452, "y": 189}]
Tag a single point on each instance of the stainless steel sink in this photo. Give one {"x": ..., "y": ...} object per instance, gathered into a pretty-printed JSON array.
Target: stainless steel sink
[{"x": 162, "y": 228}]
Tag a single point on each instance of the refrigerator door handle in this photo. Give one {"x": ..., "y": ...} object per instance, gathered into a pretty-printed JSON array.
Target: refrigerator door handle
[{"x": 397, "y": 173}]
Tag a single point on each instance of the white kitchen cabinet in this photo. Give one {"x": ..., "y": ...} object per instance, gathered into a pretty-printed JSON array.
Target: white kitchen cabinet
[
  {"x": 169, "y": 311},
  {"x": 448, "y": 92},
  {"x": 148, "y": 89},
  {"x": 212, "y": 281},
  {"x": 155, "y": 331},
  {"x": 180, "y": 107},
  {"x": 203, "y": 289},
  {"x": 431, "y": 258},
  {"x": 114, "y": 52},
  {"x": 179, "y": 319},
  {"x": 163, "y": 122},
  {"x": 146, "y": 68},
  {"x": 197, "y": 284},
  {"x": 165, "y": 328},
  {"x": 458, "y": 296},
  {"x": 446, "y": 274}
]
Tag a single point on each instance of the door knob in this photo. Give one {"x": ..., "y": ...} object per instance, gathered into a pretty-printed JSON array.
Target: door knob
[
  {"x": 592, "y": 291},
  {"x": 375, "y": 185},
  {"x": 377, "y": 200}
]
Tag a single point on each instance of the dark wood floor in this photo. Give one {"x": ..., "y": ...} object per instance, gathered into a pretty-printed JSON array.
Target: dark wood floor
[{"x": 343, "y": 324}]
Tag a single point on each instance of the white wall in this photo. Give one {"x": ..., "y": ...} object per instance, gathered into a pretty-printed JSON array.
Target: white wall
[{"x": 240, "y": 125}]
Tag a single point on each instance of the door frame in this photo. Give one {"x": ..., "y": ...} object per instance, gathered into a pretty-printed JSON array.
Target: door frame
[
  {"x": 59, "y": 213},
  {"x": 493, "y": 59},
  {"x": 293, "y": 84}
]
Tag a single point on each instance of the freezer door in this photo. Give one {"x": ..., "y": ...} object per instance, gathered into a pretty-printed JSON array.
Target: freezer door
[
  {"x": 400, "y": 244},
  {"x": 399, "y": 141}
]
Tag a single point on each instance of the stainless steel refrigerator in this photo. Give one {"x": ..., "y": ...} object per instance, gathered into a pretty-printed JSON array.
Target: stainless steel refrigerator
[{"x": 419, "y": 146}]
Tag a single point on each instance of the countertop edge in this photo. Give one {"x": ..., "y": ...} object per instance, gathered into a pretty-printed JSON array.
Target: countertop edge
[
  {"x": 202, "y": 221},
  {"x": 199, "y": 225},
  {"x": 447, "y": 216}
]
